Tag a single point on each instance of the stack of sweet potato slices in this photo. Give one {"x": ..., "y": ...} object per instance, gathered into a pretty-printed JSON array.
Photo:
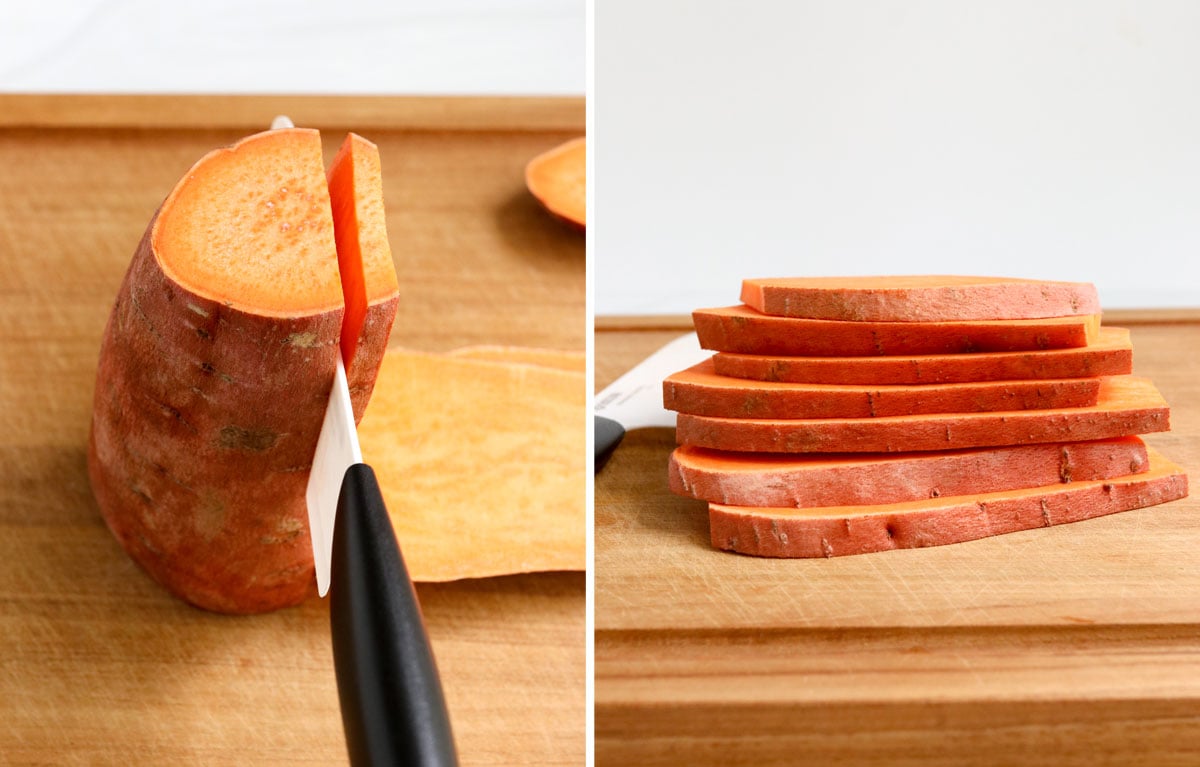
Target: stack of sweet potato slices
[{"x": 845, "y": 415}]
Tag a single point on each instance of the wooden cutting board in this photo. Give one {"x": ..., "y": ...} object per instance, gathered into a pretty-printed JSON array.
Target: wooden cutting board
[
  {"x": 1072, "y": 645},
  {"x": 98, "y": 665}
]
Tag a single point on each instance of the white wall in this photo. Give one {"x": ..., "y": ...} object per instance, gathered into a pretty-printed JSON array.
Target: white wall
[
  {"x": 442, "y": 47},
  {"x": 1057, "y": 140}
]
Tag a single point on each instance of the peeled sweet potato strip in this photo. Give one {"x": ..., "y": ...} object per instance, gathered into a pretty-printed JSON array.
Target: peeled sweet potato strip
[
  {"x": 1127, "y": 405},
  {"x": 857, "y": 479},
  {"x": 481, "y": 464},
  {"x": 700, "y": 391},
  {"x": 919, "y": 298},
  {"x": 838, "y": 531},
  {"x": 1110, "y": 354},
  {"x": 742, "y": 329},
  {"x": 558, "y": 179},
  {"x": 550, "y": 358}
]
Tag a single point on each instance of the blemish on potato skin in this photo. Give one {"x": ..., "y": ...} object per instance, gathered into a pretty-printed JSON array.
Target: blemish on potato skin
[
  {"x": 254, "y": 440},
  {"x": 306, "y": 340}
]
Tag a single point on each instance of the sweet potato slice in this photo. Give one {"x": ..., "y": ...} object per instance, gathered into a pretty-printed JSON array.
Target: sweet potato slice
[
  {"x": 919, "y": 298},
  {"x": 858, "y": 479},
  {"x": 482, "y": 464},
  {"x": 837, "y": 531},
  {"x": 700, "y": 391},
  {"x": 365, "y": 262},
  {"x": 550, "y": 358},
  {"x": 1111, "y": 354},
  {"x": 214, "y": 372},
  {"x": 1127, "y": 405},
  {"x": 746, "y": 331},
  {"x": 558, "y": 179}
]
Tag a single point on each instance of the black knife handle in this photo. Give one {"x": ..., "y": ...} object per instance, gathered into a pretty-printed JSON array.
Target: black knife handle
[
  {"x": 608, "y": 435},
  {"x": 393, "y": 709}
]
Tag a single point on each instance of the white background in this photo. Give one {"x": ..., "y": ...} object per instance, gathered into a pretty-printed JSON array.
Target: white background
[
  {"x": 450, "y": 47},
  {"x": 1056, "y": 140}
]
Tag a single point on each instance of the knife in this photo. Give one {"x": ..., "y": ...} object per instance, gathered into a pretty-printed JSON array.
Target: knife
[
  {"x": 393, "y": 707},
  {"x": 635, "y": 400}
]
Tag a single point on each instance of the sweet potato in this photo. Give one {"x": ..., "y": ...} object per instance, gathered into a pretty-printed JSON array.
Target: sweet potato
[
  {"x": 919, "y": 298},
  {"x": 1110, "y": 354},
  {"x": 215, "y": 368},
  {"x": 855, "y": 479},
  {"x": 700, "y": 391},
  {"x": 746, "y": 331},
  {"x": 481, "y": 463},
  {"x": 558, "y": 179},
  {"x": 837, "y": 531},
  {"x": 1127, "y": 405}
]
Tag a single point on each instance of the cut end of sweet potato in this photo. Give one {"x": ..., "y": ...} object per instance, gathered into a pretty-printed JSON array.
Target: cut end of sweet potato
[
  {"x": 558, "y": 179},
  {"x": 249, "y": 227}
]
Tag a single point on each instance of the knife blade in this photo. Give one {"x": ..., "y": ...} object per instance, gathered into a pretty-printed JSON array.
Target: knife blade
[{"x": 635, "y": 400}]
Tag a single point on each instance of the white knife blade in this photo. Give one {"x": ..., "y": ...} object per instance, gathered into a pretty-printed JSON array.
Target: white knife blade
[
  {"x": 337, "y": 450},
  {"x": 635, "y": 400}
]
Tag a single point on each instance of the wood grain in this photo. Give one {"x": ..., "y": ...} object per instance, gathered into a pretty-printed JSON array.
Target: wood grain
[
  {"x": 1077, "y": 645},
  {"x": 98, "y": 665}
]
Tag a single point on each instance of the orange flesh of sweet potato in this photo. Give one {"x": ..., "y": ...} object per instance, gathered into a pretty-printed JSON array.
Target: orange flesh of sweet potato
[
  {"x": 746, "y": 331},
  {"x": 1111, "y": 354},
  {"x": 365, "y": 262},
  {"x": 551, "y": 358},
  {"x": 481, "y": 464},
  {"x": 919, "y": 298},
  {"x": 836, "y": 531},
  {"x": 862, "y": 479},
  {"x": 700, "y": 391},
  {"x": 558, "y": 179},
  {"x": 1127, "y": 405},
  {"x": 213, "y": 376}
]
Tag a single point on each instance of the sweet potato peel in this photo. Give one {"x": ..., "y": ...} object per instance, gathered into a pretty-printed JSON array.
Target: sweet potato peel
[
  {"x": 481, "y": 464},
  {"x": 837, "y": 531}
]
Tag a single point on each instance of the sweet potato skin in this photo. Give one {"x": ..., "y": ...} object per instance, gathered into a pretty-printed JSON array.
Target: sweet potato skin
[
  {"x": 743, "y": 330},
  {"x": 844, "y": 530},
  {"x": 809, "y": 481},
  {"x": 205, "y": 421}
]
